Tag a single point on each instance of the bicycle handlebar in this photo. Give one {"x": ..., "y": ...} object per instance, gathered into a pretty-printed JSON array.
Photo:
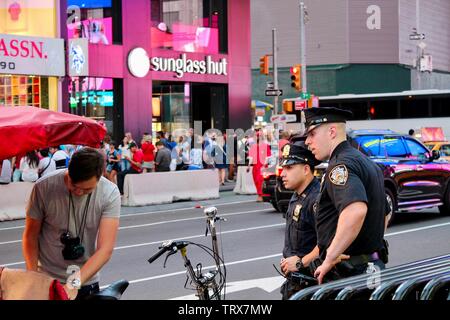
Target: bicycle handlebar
[
  {"x": 158, "y": 254},
  {"x": 168, "y": 246}
]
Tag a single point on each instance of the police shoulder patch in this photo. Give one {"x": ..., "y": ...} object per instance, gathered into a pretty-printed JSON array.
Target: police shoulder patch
[{"x": 339, "y": 175}]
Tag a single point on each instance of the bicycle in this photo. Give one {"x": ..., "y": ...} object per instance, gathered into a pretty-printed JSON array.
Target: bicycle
[{"x": 206, "y": 284}]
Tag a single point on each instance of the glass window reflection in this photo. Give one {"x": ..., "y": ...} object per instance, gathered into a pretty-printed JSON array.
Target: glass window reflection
[{"x": 189, "y": 25}]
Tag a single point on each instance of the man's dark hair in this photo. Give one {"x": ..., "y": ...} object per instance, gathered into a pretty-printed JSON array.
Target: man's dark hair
[
  {"x": 411, "y": 132},
  {"x": 85, "y": 164},
  {"x": 159, "y": 143},
  {"x": 45, "y": 152}
]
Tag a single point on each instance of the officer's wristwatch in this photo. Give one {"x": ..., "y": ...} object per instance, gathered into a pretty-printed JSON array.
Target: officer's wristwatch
[{"x": 299, "y": 264}]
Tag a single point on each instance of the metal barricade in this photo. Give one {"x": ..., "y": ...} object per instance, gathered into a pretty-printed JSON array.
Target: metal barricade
[{"x": 420, "y": 279}]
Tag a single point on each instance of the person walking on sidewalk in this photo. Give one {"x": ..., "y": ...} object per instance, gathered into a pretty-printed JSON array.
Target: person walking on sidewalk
[{"x": 258, "y": 157}]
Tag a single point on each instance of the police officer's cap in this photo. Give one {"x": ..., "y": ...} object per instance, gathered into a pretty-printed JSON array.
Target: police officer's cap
[
  {"x": 297, "y": 153},
  {"x": 314, "y": 117}
]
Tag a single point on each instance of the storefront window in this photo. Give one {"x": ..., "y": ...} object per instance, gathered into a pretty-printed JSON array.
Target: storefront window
[
  {"x": 189, "y": 25},
  {"x": 171, "y": 106},
  {"x": 97, "y": 20},
  {"x": 30, "y": 18},
  {"x": 93, "y": 98},
  {"x": 27, "y": 91}
]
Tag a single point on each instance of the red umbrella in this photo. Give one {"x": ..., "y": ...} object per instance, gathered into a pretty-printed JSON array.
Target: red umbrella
[{"x": 24, "y": 129}]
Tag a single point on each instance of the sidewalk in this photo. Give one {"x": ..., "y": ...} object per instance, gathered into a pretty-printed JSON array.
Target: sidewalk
[{"x": 229, "y": 186}]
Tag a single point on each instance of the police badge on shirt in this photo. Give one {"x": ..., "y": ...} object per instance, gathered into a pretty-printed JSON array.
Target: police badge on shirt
[
  {"x": 339, "y": 175},
  {"x": 297, "y": 210}
]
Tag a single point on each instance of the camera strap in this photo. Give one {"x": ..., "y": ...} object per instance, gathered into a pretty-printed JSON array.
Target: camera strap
[{"x": 83, "y": 219}]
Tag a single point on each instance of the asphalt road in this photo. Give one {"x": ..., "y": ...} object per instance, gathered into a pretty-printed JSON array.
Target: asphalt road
[{"x": 251, "y": 240}]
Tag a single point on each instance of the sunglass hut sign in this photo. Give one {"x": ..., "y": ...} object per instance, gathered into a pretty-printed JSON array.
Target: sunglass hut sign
[{"x": 181, "y": 66}]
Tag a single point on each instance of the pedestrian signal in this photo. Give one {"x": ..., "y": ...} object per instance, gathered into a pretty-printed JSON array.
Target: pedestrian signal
[
  {"x": 264, "y": 65},
  {"x": 296, "y": 82}
]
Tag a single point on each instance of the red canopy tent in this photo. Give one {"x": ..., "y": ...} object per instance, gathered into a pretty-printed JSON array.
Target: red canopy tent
[{"x": 24, "y": 129}]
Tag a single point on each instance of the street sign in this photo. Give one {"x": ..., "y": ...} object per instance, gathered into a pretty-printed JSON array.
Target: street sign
[
  {"x": 281, "y": 118},
  {"x": 305, "y": 95},
  {"x": 274, "y": 92},
  {"x": 301, "y": 104},
  {"x": 417, "y": 36},
  {"x": 270, "y": 86}
]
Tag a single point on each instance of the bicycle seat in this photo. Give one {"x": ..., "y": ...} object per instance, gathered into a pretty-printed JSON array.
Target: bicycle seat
[{"x": 113, "y": 292}]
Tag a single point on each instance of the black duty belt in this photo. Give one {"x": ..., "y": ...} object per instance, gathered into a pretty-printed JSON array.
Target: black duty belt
[{"x": 364, "y": 258}]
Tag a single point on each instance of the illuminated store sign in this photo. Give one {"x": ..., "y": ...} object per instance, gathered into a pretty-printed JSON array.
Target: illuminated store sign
[
  {"x": 184, "y": 65},
  {"x": 31, "y": 56},
  {"x": 138, "y": 62}
]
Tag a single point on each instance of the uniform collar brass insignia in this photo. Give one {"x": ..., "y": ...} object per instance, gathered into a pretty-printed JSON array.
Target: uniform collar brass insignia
[
  {"x": 286, "y": 151},
  {"x": 339, "y": 175},
  {"x": 315, "y": 207}
]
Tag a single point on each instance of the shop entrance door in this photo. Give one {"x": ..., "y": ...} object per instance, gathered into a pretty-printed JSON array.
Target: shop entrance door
[{"x": 210, "y": 105}]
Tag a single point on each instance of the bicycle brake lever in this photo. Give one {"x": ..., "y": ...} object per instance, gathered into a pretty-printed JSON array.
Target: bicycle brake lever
[{"x": 168, "y": 255}]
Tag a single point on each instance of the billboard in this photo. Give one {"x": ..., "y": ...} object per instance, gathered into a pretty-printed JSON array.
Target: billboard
[{"x": 31, "y": 55}]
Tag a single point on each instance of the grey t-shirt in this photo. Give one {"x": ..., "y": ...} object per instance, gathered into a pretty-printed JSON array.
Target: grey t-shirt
[
  {"x": 162, "y": 160},
  {"x": 49, "y": 203}
]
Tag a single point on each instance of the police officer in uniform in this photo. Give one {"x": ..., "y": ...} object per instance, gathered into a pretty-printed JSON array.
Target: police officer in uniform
[
  {"x": 300, "y": 246},
  {"x": 352, "y": 204}
]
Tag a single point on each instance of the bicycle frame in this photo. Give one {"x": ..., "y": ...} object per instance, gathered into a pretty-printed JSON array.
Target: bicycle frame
[{"x": 205, "y": 283}]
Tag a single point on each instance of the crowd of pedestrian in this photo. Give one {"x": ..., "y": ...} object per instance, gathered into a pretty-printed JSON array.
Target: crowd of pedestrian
[
  {"x": 35, "y": 164},
  {"x": 164, "y": 153}
]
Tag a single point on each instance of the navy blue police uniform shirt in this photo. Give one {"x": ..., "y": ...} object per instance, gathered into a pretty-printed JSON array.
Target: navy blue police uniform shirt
[
  {"x": 301, "y": 236},
  {"x": 351, "y": 177}
]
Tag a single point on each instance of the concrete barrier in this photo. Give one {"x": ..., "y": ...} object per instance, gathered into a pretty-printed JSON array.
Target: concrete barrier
[
  {"x": 166, "y": 187},
  {"x": 244, "y": 181},
  {"x": 13, "y": 200}
]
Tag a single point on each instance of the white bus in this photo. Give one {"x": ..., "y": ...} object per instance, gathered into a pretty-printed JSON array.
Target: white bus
[{"x": 398, "y": 111}]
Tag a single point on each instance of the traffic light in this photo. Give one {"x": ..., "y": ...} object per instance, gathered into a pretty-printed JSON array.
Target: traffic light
[
  {"x": 372, "y": 112},
  {"x": 296, "y": 82},
  {"x": 264, "y": 65},
  {"x": 288, "y": 106}
]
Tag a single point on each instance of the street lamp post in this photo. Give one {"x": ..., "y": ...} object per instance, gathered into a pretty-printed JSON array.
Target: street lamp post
[
  {"x": 303, "y": 46},
  {"x": 420, "y": 46},
  {"x": 275, "y": 68}
]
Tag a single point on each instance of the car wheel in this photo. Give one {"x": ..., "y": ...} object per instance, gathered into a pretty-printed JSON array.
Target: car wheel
[
  {"x": 391, "y": 202},
  {"x": 445, "y": 209}
]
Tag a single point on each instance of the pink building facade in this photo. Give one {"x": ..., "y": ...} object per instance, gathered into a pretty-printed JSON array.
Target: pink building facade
[{"x": 196, "y": 64}]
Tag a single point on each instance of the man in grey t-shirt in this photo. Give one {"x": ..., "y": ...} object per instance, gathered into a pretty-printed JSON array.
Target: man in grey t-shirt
[
  {"x": 163, "y": 158},
  {"x": 72, "y": 221}
]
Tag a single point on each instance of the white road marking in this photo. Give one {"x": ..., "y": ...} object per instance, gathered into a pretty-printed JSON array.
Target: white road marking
[
  {"x": 160, "y": 211},
  {"x": 168, "y": 221},
  {"x": 190, "y": 219},
  {"x": 198, "y": 236},
  {"x": 417, "y": 229},
  {"x": 183, "y": 238},
  {"x": 267, "y": 284},
  {"x": 205, "y": 268},
  {"x": 183, "y": 209},
  {"x": 240, "y": 230}
]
